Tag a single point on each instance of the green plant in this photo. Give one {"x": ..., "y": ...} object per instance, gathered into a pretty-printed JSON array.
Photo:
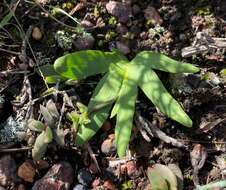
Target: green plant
[
  {"x": 127, "y": 185},
  {"x": 119, "y": 85},
  {"x": 112, "y": 21},
  {"x": 48, "y": 131},
  {"x": 162, "y": 177},
  {"x": 79, "y": 117},
  {"x": 213, "y": 185}
]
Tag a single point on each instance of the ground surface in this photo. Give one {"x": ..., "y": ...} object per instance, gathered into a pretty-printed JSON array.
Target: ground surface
[{"x": 165, "y": 26}]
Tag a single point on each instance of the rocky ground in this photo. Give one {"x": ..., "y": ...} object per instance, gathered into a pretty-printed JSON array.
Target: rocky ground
[{"x": 33, "y": 34}]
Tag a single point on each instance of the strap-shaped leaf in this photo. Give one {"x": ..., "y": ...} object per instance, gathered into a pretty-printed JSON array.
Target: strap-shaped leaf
[
  {"x": 82, "y": 64},
  {"x": 50, "y": 75},
  {"x": 106, "y": 91},
  {"x": 125, "y": 112},
  {"x": 164, "y": 63},
  {"x": 6, "y": 19},
  {"x": 47, "y": 116},
  {"x": 156, "y": 92},
  {"x": 41, "y": 143}
]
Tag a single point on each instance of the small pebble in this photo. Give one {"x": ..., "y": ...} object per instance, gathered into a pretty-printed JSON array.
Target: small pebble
[
  {"x": 84, "y": 42},
  {"x": 122, "y": 11},
  {"x": 36, "y": 33},
  {"x": 123, "y": 48},
  {"x": 150, "y": 13},
  {"x": 26, "y": 171},
  {"x": 87, "y": 24},
  {"x": 121, "y": 29},
  {"x": 93, "y": 168},
  {"x": 42, "y": 164},
  {"x": 21, "y": 187},
  {"x": 80, "y": 187},
  {"x": 131, "y": 168},
  {"x": 84, "y": 177},
  {"x": 59, "y": 177},
  {"x": 95, "y": 183},
  {"x": 136, "y": 9},
  {"x": 109, "y": 185},
  {"x": 108, "y": 146}
]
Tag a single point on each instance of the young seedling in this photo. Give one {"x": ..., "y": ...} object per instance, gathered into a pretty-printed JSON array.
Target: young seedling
[
  {"x": 48, "y": 131},
  {"x": 119, "y": 86}
]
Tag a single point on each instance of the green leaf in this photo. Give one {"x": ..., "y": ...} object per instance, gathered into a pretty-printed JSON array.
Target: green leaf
[
  {"x": 213, "y": 185},
  {"x": 49, "y": 135},
  {"x": 47, "y": 116},
  {"x": 178, "y": 173},
  {"x": 162, "y": 178},
  {"x": 52, "y": 109},
  {"x": 49, "y": 91},
  {"x": 41, "y": 144},
  {"x": 156, "y": 92},
  {"x": 124, "y": 73},
  {"x": 35, "y": 125},
  {"x": 50, "y": 75},
  {"x": 164, "y": 63},
  {"x": 6, "y": 19},
  {"x": 82, "y": 64},
  {"x": 125, "y": 113},
  {"x": 106, "y": 90},
  {"x": 58, "y": 135},
  {"x": 82, "y": 108},
  {"x": 65, "y": 13}
]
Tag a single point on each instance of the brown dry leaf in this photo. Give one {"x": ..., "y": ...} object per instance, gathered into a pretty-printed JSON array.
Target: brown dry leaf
[
  {"x": 26, "y": 171},
  {"x": 198, "y": 157},
  {"x": 207, "y": 126}
]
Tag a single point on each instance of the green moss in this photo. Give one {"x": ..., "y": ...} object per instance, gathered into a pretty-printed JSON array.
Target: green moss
[
  {"x": 67, "y": 5},
  {"x": 112, "y": 21},
  {"x": 110, "y": 35},
  {"x": 223, "y": 73},
  {"x": 127, "y": 185},
  {"x": 149, "y": 23},
  {"x": 203, "y": 11}
]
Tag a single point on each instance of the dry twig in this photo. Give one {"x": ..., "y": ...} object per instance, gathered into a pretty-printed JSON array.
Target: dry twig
[
  {"x": 156, "y": 132},
  {"x": 203, "y": 43}
]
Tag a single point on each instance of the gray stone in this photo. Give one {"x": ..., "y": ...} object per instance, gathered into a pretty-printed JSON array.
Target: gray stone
[
  {"x": 122, "y": 11},
  {"x": 122, "y": 47},
  {"x": 150, "y": 13},
  {"x": 84, "y": 42},
  {"x": 84, "y": 177},
  {"x": 80, "y": 187},
  {"x": 12, "y": 130}
]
